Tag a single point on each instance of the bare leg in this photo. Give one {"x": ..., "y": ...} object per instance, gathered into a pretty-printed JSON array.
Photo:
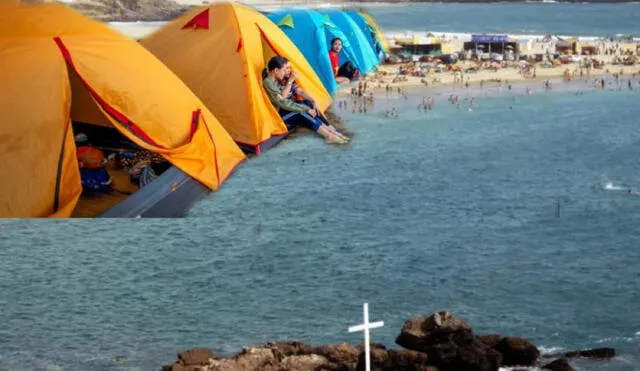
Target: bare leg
[
  {"x": 336, "y": 132},
  {"x": 329, "y": 135}
]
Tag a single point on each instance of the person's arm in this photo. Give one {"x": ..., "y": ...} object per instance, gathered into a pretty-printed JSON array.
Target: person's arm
[
  {"x": 287, "y": 88},
  {"x": 277, "y": 98},
  {"x": 305, "y": 96}
]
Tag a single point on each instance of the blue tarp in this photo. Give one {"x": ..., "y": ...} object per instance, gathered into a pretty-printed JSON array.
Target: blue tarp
[
  {"x": 489, "y": 38},
  {"x": 366, "y": 57},
  {"x": 311, "y": 32}
]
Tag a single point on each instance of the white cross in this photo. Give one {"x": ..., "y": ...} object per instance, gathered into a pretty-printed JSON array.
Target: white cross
[{"x": 366, "y": 326}]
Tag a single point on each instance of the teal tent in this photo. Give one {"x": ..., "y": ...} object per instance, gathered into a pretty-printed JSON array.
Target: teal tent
[
  {"x": 366, "y": 57},
  {"x": 312, "y": 33}
]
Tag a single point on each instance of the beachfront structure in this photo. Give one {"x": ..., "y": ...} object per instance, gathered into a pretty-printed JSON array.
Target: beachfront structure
[
  {"x": 71, "y": 70},
  {"x": 485, "y": 43},
  {"x": 420, "y": 45},
  {"x": 312, "y": 33},
  {"x": 220, "y": 52},
  {"x": 567, "y": 46},
  {"x": 366, "y": 58}
]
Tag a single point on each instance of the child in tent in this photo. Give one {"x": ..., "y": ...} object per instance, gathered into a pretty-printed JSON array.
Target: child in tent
[
  {"x": 293, "y": 112},
  {"x": 93, "y": 174},
  {"x": 345, "y": 73}
]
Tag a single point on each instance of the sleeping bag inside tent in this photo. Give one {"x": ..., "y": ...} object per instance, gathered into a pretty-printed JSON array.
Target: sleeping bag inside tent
[
  {"x": 71, "y": 71},
  {"x": 312, "y": 33},
  {"x": 220, "y": 51},
  {"x": 366, "y": 57}
]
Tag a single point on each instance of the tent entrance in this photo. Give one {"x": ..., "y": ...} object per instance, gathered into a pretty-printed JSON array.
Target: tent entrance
[{"x": 123, "y": 157}]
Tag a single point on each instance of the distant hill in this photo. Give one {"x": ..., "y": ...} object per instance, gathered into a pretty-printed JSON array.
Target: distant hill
[{"x": 163, "y": 10}]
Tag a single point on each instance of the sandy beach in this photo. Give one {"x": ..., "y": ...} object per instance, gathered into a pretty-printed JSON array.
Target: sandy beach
[{"x": 389, "y": 76}]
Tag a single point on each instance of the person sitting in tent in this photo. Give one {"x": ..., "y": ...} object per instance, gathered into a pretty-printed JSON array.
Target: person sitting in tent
[
  {"x": 93, "y": 174},
  {"x": 295, "y": 93},
  {"x": 279, "y": 96},
  {"x": 345, "y": 73}
]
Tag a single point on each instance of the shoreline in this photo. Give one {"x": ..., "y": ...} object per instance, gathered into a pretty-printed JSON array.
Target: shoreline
[
  {"x": 437, "y": 342},
  {"x": 377, "y": 83}
]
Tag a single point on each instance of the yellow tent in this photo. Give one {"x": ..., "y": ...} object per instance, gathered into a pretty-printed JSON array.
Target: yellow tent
[
  {"x": 220, "y": 51},
  {"x": 59, "y": 66},
  {"x": 372, "y": 22}
]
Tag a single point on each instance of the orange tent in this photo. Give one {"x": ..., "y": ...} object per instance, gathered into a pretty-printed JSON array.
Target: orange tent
[
  {"x": 220, "y": 51},
  {"x": 59, "y": 66}
]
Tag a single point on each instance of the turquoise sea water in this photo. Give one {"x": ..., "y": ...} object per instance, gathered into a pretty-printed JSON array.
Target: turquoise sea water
[
  {"x": 514, "y": 18},
  {"x": 447, "y": 210}
]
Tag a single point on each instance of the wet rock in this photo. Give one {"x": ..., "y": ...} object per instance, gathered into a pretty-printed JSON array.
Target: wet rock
[
  {"x": 416, "y": 329},
  {"x": 595, "y": 353},
  {"x": 174, "y": 367},
  {"x": 393, "y": 360},
  {"x": 460, "y": 350},
  {"x": 309, "y": 362},
  {"x": 250, "y": 359},
  {"x": 294, "y": 348},
  {"x": 343, "y": 355},
  {"x": 517, "y": 351},
  {"x": 379, "y": 359},
  {"x": 490, "y": 340},
  {"x": 195, "y": 356},
  {"x": 558, "y": 365},
  {"x": 409, "y": 360}
]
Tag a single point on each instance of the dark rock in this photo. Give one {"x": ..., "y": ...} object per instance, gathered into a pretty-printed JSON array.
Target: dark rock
[
  {"x": 174, "y": 367},
  {"x": 195, "y": 356},
  {"x": 596, "y": 353},
  {"x": 409, "y": 360},
  {"x": 416, "y": 329},
  {"x": 373, "y": 346},
  {"x": 460, "y": 350},
  {"x": 558, "y": 365},
  {"x": 308, "y": 362},
  {"x": 250, "y": 359},
  {"x": 343, "y": 355},
  {"x": 517, "y": 352},
  {"x": 379, "y": 359},
  {"x": 288, "y": 349},
  {"x": 490, "y": 340},
  {"x": 393, "y": 360}
]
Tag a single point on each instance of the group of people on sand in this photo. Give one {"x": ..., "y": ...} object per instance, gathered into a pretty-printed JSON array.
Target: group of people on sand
[{"x": 295, "y": 106}]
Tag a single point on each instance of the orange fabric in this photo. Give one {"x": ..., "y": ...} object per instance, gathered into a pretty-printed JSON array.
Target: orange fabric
[
  {"x": 34, "y": 117},
  {"x": 223, "y": 66},
  {"x": 90, "y": 157},
  {"x": 36, "y": 107}
]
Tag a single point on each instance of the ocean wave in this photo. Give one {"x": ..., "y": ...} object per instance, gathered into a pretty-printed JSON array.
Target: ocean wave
[
  {"x": 549, "y": 350},
  {"x": 615, "y": 339}
]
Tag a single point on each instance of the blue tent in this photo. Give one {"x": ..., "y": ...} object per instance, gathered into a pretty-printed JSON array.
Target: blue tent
[
  {"x": 369, "y": 32},
  {"x": 366, "y": 57},
  {"x": 312, "y": 32}
]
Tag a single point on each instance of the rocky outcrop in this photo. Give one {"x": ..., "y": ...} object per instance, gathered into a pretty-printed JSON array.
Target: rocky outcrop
[
  {"x": 437, "y": 342},
  {"x": 129, "y": 10},
  {"x": 559, "y": 365},
  {"x": 517, "y": 351},
  {"x": 595, "y": 353},
  {"x": 449, "y": 343}
]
